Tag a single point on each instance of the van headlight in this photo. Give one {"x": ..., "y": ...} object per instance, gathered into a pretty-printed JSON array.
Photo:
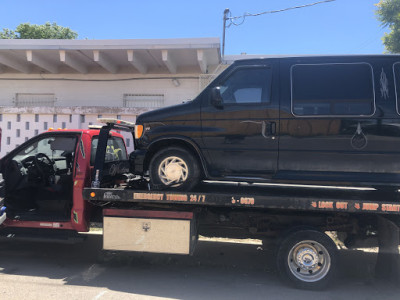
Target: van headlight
[{"x": 138, "y": 131}]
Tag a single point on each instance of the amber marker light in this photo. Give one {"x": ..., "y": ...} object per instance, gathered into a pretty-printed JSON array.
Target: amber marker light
[
  {"x": 92, "y": 194},
  {"x": 138, "y": 131}
]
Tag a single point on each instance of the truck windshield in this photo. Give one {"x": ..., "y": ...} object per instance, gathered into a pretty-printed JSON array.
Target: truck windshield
[
  {"x": 115, "y": 150},
  {"x": 54, "y": 147}
]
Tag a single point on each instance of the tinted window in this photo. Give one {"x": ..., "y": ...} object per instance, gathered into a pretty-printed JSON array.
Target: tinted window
[
  {"x": 396, "y": 71},
  {"x": 247, "y": 85},
  {"x": 332, "y": 89}
]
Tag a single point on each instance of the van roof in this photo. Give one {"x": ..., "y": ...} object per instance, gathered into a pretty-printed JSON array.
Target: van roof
[{"x": 245, "y": 59}]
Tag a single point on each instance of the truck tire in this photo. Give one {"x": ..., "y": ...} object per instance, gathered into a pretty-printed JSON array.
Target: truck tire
[
  {"x": 307, "y": 258},
  {"x": 174, "y": 168}
]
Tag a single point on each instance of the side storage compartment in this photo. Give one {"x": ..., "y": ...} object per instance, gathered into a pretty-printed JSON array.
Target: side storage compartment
[{"x": 172, "y": 232}]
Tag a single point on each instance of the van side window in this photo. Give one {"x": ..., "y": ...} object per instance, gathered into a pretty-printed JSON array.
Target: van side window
[
  {"x": 332, "y": 89},
  {"x": 247, "y": 85},
  {"x": 396, "y": 72}
]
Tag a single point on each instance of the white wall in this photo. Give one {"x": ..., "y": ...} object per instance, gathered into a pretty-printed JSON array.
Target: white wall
[
  {"x": 98, "y": 93},
  {"x": 80, "y": 97}
]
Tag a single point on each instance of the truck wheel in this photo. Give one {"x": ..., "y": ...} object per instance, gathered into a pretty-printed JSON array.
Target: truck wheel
[
  {"x": 307, "y": 259},
  {"x": 174, "y": 168}
]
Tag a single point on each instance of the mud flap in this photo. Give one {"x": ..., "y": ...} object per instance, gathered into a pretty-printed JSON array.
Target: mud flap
[{"x": 388, "y": 260}]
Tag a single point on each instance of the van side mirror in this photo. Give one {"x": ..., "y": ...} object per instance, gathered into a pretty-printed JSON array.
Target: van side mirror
[{"x": 216, "y": 99}]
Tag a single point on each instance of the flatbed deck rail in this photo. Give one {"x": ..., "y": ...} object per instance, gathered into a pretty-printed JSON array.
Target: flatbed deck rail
[{"x": 289, "y": 199}]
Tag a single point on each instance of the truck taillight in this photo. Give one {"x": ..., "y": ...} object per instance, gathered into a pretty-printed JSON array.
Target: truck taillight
[{"x": 138, "y": 131}]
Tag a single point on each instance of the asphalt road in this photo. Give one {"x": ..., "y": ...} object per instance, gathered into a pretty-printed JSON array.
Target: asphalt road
[{"x": 32, "y": 270}]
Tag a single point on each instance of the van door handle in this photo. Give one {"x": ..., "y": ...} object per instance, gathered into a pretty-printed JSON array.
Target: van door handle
[
  {"x": 272, "y": 128},
  {"x": 268, "y": 129}
]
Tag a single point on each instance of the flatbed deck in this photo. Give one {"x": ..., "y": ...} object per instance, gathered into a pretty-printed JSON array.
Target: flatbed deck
[{"x": 288, "y": 198}]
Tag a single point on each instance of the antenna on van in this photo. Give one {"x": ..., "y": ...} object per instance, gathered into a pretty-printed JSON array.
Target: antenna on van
[{"x": 239, "y": 20}]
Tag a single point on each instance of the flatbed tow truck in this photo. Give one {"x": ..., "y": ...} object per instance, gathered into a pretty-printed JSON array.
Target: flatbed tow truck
[{"x": 294, "y": 219}]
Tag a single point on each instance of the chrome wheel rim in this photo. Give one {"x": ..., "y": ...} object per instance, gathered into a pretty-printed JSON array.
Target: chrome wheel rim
[
  {"x": 173, "y": 171},
  {"x": 309, "y": 261}
]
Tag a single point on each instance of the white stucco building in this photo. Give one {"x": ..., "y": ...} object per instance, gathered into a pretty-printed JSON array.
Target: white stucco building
[{"x": 70, "y": 83}]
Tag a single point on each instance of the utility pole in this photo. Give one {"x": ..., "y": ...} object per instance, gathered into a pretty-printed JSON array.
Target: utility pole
[{"x": 226, "y": 12}]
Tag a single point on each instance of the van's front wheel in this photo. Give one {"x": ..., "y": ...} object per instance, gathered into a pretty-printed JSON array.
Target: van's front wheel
[{"x": 174, "y": 168}]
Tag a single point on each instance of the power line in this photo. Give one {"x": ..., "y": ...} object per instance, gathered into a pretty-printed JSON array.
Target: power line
[
  {"x": 232, "y": 20},
  {"x": 271, "y": 12}
]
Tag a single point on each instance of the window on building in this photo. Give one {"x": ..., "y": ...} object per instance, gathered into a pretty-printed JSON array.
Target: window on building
[
  {"x": 8, "y": 125},
  {"x": 18, "y": 133},
  {"x": 332, "y": 89},
  {"x": 36, "y": 132},
  {"x": 1, "y": 117},
  {"x": 118, "y": 117},
  {"x": 143, "y": 100},
  {"x": 8, "y": 140},
  {"x": 18, "y": 118},
  {"x": 27, "y": 125},
  {"x": 36, "y": 118},
  {"x": 54, "y": 118},
  {"x": 82, "y": 118},
  {"x": 99, "y": 116},
  {"x": 35, "y": 99},
  {"x": 26, "y": 139},
  {"x": 70, "y": 118},
  {"x": 45, "y": 126},
  {"x": 63, "y": 125}
]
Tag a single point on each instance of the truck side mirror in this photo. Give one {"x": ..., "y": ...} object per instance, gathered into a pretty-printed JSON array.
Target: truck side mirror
[{"x": 216, "y": 99}]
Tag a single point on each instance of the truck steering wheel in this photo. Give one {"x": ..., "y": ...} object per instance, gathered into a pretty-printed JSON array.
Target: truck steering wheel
[{"x": 45, "y": 167}]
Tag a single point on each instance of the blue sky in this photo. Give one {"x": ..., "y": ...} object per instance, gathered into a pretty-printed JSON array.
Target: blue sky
[{"x": 339, "y": 27}]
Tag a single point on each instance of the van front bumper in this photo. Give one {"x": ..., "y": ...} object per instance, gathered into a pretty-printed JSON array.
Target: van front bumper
[{"x": 136, "y": 161}]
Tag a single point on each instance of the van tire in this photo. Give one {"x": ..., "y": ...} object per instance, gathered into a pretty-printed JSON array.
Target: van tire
[
  {"x": 307, "y": 258},
  {"x": 174, "y": 168}
]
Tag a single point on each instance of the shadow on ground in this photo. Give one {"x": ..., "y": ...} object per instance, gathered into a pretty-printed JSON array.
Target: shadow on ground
[{"x": 215, "y": 271}]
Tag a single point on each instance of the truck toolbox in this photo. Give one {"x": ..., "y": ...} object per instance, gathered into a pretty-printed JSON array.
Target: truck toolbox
[{"x": 149, "y": 231}]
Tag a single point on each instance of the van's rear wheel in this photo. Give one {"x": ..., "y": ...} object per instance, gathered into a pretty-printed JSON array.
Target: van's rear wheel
[
  {"x": 307, "y": 258},
  {"x": 174, "y": 168}
]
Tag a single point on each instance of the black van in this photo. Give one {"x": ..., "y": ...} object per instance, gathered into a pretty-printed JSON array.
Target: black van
[{"x": 331, "y": 120}]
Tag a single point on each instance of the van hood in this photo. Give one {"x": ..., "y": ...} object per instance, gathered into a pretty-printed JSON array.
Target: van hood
[{"x": 184, "y": 111}]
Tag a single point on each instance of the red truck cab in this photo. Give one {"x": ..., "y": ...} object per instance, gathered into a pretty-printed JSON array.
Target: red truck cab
[{"x": 44, "y": 178}]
